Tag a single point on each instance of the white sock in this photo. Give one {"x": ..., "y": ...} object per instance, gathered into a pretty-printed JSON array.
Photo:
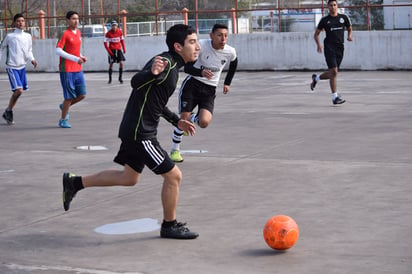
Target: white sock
[
  {"x": 334, "y": 95},
  {"x": 317, "y": 78},
  {"x": 177, "y": 138},
  {"x": 175, "y": 146},
  {"x": 194, "y": 118}
]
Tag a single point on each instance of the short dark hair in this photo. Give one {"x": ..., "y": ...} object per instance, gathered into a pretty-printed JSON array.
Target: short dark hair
[
  {"x": 219, "y": 26},
  {"x": 178, "y": 34},
  {"x": 332, "y": 1},
  {"x": 69, "y": 14},
  {"x": 17, "y": 16}
]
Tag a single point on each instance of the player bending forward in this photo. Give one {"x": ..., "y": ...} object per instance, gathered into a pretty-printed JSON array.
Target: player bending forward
[
  {"x": 152, "y": 88},
  {"x": 199, "y": 88}
]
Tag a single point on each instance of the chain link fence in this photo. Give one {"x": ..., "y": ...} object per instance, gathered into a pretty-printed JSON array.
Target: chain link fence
[{"x": 242, "y": 17}]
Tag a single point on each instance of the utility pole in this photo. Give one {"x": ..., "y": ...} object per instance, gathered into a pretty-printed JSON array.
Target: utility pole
[{"x": 90, "y": 19}]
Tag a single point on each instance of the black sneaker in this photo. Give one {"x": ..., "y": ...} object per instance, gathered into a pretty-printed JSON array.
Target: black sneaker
[
  {"x": 314, "y": 82},
  {"x": 338, "y": 101},
  {"x": 8, "y": 116},
  {"x": 68, "y": 190},
  {"x": 121, "y": 80},
  {"x": 177, "y": 231}
]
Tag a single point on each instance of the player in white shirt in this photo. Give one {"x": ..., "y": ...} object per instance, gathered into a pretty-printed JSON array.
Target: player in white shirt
[
  {"x": 18, "y": 45},
  {"x": 199, "y": 87}
]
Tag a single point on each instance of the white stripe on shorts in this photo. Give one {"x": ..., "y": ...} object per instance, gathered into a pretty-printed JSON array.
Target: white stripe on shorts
[
  {"x": 151, "y": 150},
  {"x": 12, "y": 79}
]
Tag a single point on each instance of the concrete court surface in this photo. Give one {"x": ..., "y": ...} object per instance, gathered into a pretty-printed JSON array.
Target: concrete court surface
[{"x": 342, "y": 172}]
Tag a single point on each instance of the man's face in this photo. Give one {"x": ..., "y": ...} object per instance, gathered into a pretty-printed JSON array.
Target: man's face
[
  {"x": 19, "y": 23},
  {"x": 219, "y": 38},
  {"x": 190, "y": 50},
  {"x": 114, "y": 27},
  {"x": 333, "y": 8},
  {"x": 73, "y": 21}
]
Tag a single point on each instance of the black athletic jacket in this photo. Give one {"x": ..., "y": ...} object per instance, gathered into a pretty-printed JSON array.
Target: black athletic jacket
[{"x": 149, "y": 98}]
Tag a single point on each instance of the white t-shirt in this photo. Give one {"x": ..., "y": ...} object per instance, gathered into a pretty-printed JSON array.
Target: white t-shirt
[
  {"x": 213, "y": 60},
  {"x": 19, "y": 49}
]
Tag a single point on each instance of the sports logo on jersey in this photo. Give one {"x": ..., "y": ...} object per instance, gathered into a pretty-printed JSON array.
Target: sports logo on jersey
[
  {"x": 223, "y": 62},
  {"x": 341, "y": 20}
]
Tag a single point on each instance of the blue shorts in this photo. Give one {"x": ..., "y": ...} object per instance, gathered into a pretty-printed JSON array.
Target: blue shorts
[
  {"x": 17, "y": 78},
  {"x": 73, "y": 84}
]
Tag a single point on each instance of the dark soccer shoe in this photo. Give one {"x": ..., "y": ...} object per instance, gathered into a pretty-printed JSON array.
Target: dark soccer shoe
[
  {"x": 338, "y": 101},
  {"x": 68, "y": 190},
  {"x": 314, "y": 82},
  {"x": 177, "y": 231},
  {"x": 8, "y": 116}
]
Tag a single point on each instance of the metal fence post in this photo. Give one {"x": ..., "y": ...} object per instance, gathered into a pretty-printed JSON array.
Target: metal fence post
[
  {"x": 123, "y": 14},
  {"x": 234, "y": 25},
  {"x": 185, "y": 12},
  {"x": 41, "y": 24}
]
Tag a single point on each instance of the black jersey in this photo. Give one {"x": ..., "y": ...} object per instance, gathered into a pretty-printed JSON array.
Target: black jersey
[
  {"x": 335, "y": 28},
  {"x": 149, "y": 98}
]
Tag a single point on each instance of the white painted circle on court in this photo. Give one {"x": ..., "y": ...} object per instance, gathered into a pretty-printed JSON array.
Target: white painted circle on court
[{"x": 129, "y": 227}]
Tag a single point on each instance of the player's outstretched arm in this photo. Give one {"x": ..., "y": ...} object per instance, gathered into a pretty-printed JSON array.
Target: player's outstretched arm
[
  {"x": 123, "y": 46},
  {"x": 151, "y": 72},
  {"x": 350, "y": 39},
  {"x": 316, "y": 37},
  {"x": 109, "y": 51},
  {"x": 229, "y": 76},
  {"x": 187, "y": 126},
  {"x": 60, "y": 52},
  {"x": 159, "y": 65}
]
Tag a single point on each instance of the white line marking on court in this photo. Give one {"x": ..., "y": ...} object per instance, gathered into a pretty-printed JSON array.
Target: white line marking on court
[
  {"x": 194, "y": 151},
  {"x": 393, "y": 92},
  {"x": 129, "y": 227},
  {"x": 293, "y": 113},
  {"x": 62, "y": 268},
  {"x": 92, "y": 148},
  {"x": 7, "y": 171}
]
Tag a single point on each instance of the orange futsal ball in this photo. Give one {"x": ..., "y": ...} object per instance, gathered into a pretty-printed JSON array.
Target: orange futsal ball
[{"x": 281, "y": 232}]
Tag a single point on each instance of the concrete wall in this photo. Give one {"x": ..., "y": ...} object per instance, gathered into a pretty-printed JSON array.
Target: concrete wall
[{"x": 259, "y": 51}]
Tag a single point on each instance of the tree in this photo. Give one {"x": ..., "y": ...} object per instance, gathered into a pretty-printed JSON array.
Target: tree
[
  {"x": 359, "y": 15},
  {"x": 19, "y": 6}
]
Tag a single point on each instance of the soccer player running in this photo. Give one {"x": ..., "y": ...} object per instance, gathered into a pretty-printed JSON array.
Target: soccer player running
[
  {"x": 199, "y": 87},
  {"x": 114, "y": 43},
  {"x": 18, "y": 46},
  {"x": 70, "y": 66},
  {"x": 334, "y": 24},
  {"x": 139, "y": 147}
]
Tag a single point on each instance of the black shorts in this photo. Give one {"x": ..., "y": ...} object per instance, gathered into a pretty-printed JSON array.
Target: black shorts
[
  {"x": 333, "y": 55},
  {"x": 116, "y": 57},
  {"x": 137, "y": 154},
  {"x": 195, "y": 93}
]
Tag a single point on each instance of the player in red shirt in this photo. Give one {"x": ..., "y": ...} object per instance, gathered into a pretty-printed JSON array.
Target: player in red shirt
[
  {"x": 114, "y": 42},
  {"x": 70, "y": 67}
]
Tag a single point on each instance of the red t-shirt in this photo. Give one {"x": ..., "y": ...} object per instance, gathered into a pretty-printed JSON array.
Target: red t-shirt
[
  {"x": 114, "y": 38},
  {"x": 70, "y": 42}
]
